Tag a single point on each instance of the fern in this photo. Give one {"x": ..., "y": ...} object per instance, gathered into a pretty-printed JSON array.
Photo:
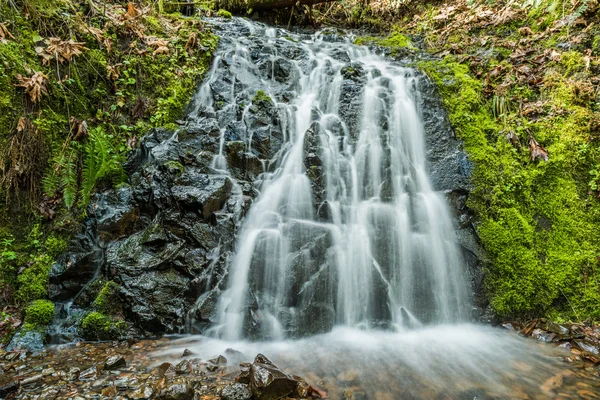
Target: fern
[
  {"x": 102, "y": 161},
  {"x": 69, "y": 177}
]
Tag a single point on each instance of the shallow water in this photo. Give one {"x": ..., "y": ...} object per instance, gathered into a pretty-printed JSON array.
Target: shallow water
[{"x": 448, "y": 361}]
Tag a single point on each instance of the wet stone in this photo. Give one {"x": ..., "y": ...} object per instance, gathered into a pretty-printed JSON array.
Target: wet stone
[
  {"x": 237, "y": 391},
  {"x": 177, "y": 390},
  {"x": 114, "y": 362},
  {"x": 88, "y": 374}
]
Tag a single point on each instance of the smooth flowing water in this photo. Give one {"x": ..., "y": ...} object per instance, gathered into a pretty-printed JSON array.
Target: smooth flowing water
[
  {"x": 378, "y": 249},
  {"x": 346, "y": 268}
]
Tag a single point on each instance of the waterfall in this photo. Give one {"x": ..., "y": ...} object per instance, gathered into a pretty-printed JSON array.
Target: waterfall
[{"x": 347, "y": 228}]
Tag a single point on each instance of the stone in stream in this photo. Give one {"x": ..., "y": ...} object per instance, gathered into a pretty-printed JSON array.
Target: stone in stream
[
  {"x": 88, "y": 374},
  {"x": 268, "y": 382},
  {"x": 237, "y": 391},
  {"x": 179, "y": 389},
  {"x": 114, "y": 362}
]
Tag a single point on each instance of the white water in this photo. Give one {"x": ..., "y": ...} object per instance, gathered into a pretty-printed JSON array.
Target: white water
[
  {"x": 390, "y": 257},
  {"x": 383, "y": 255}
]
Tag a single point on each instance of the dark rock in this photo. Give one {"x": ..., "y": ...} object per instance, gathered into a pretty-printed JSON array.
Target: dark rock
[
  {"x": 268, "y": 382},
  {"x": 114, "y": 362},
  {"x": 9, "y": 388},
  {"x": 165, "y": 369},
  {"x": 183, "y": 367},
  {"x": 237, "y": 391},
  {"x": 220, "y": 360},
  {"x": 187, "y": 353}
]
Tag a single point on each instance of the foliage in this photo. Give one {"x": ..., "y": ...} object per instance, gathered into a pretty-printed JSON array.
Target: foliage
[
  {"x": 106, "y": 300},
  {"x": 39, "y": 313},
  {"x": 224, "y": 13},
  {"x": 79, "y": 83},
  {"x": 537, "y": 219},
  {"x": 98, "y": 326}
]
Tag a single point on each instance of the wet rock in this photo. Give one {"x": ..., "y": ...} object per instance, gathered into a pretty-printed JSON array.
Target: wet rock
[
  {"x": 184, "y": 367},
  {"x": 73, "y": 373},
  {"x": 268, "y": 382},
  {"x": 220, "y": 360},
  {"x": 88, "y": 374},
  {"x": 9, "y": 388},
  {"x": 237, "y": 391},
  {"x": 32, "y": 341},
  {"x": 110, "y": 391},
  {"x": 165, "y": 369},
  {"x": 114, "y": 362},
  {"x": 587, "y": 345},
  {"x": 144, "y": 392},
  {"x": 187, "y": 353},
  {"x": 179, "y": 389}
]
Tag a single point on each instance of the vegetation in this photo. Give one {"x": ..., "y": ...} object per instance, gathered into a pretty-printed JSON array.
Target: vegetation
[
  {"x": 80, "y": 82},
  {"x": 98, "y": 326},
  {"x": 39, "y": 313},
  {"x": 529, "y": 119}
]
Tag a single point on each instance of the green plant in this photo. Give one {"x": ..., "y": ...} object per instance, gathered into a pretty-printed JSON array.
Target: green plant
[
  {"x": 39, "y": 313},
  {"x": 98, "y": 326},
  {"x": 102, "y": 161},
  {"x": 224, "y": 13}
]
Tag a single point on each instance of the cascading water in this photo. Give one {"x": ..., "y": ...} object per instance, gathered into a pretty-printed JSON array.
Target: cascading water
[
  {"x": 346, "y": 268},
  {"x": 378, "y": 248}
]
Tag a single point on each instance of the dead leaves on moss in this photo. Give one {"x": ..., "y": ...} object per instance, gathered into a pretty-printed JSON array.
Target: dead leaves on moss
[
  {"x": 4, "y": 33},
  {"x": 536, "y": 151},
  {"x": 34, "y": 86},
  {"x": 60, "y": 50},
  {"x": 160, "y": 46}
]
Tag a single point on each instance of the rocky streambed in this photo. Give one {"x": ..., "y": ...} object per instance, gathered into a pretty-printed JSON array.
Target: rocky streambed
[{"x": 170, "y": 368}]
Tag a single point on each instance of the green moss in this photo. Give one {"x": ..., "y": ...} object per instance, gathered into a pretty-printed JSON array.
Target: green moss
[
  {"x": 224, "y": 13},
  {"x": 106, "y": 301},
  {"x": 396, "y": 42},
  {"x": 261, "y": 97},
  {"x": 535, "y": 220},
  {"x": 39, "y": 313},
  {"x": 33, "y": 282},
  {"x": 98, "y": 326},
  {"x": 174, "y": 167}
]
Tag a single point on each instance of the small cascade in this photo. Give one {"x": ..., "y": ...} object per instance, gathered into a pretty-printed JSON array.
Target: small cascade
[{"x": 347, "y": 228}]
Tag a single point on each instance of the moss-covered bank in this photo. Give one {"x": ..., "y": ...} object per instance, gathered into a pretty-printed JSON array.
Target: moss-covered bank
[
  {"x": 80, "y": 82},
  {"x": 522, "y": 93}
]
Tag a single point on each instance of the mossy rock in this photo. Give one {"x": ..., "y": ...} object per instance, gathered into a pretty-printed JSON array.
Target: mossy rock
[
  {"x": 98, "y": 326},
  {"x": 39, "y": 313},
  {"x": 224, "y": 13}
]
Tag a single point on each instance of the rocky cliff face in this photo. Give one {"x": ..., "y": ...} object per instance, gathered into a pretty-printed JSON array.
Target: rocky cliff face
[{"x": 166, "y": 237}]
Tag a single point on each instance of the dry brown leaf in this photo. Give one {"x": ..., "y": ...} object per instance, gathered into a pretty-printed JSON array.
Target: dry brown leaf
[
  {"x": 78, "y": 128},
  {"x": 160, "y": 46},
  {"x": 4, "y": 33},
  {"x": 34, "y": 86},
  {"x": 113, "y": 72},
  {"x": 21, "y": 124},
  {"x": 132, "y": 12},
  {"x": 536, "y": 151},
  {"x": 525, "y": 31},
  {"x": 191, "y": 43},
  {"x": 60, "y": 50}
]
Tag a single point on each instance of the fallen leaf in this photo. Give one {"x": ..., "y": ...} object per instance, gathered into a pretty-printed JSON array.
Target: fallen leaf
[
  {"x": 4, "y": 33},
  {"x": 536, "y": 151},
  {"x": 525, "y": 31},
  {"x": 21, "y": 124},
  {"x": 132, "y": 12},
  {"x": 34, "y": 86}
]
